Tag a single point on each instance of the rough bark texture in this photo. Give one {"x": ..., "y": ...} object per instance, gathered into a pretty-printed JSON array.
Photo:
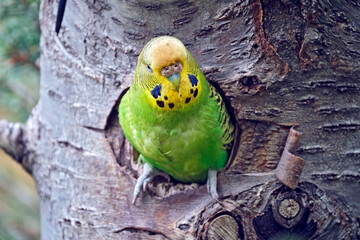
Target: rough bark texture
[{"x": 280, "y": 64}]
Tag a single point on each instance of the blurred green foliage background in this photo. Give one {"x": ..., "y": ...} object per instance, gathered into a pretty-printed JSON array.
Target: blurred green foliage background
[
  {"x": 19, "y": 54},
  {"x": 19, "y": 92}
]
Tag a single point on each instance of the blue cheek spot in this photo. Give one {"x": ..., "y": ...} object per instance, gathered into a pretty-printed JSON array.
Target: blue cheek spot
[
  {"x": 193, "y": 80},
  {"x": 156, "y": 91}
]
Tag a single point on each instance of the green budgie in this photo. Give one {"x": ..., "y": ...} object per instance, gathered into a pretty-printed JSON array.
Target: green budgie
[{"x": 174, "y": 118}]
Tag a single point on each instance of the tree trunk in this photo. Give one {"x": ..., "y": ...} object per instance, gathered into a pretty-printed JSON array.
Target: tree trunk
[{"x": 280, "y": 63}]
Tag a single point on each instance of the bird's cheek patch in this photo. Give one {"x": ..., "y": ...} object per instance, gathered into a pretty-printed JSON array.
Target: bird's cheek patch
[
  {"x": 156, "y": 92},
  {"x": 193, "y": 80}
]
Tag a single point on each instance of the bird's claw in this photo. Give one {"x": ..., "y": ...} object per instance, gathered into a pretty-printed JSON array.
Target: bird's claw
[
  {"x": 145, "y": 178},
  {"x": 149, "y": 174},
  {"x": 212, "y": 184}
]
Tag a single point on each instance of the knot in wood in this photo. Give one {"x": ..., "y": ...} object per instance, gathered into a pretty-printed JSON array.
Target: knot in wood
[
  {"x": 249, "y": 80},
  {"x": 223, "y": 227},
  {"x": 288, "y": 208},
  {"x": 250, "y": 85}
]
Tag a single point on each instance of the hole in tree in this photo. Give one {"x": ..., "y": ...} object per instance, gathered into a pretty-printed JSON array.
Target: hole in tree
[{"x": 120, "y": 147}]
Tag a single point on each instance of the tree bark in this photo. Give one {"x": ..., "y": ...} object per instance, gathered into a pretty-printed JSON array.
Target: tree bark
[{"x": 280, "y": 63}]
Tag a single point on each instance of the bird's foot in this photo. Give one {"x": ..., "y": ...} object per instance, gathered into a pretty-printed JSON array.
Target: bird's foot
[
  {"x": 212, "y": 183},
  {"x": 145, "y": 178}
]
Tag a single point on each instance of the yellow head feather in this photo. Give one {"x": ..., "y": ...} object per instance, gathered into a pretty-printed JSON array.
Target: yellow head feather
[{"x": 164, "y": 51}]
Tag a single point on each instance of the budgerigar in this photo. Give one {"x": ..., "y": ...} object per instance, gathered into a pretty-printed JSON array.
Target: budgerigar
[{"x": 175, "y": 118}]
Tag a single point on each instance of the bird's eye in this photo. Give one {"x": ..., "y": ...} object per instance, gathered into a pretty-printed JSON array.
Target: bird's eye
[{"x": 149, "y": 68}]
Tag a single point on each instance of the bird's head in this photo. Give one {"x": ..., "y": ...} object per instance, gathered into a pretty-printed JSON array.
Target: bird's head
[
  {"x": 168, "y": 73},
  {"x": 164, "y": 57}
]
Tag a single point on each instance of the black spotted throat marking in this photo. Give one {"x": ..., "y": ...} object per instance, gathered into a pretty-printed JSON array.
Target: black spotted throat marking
[{"x": 156, "y": 92}]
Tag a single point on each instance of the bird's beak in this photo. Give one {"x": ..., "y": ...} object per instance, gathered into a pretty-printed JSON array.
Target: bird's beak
[
  {"x": 173, "y": 74},
  {"x": 175, "y": 79}
]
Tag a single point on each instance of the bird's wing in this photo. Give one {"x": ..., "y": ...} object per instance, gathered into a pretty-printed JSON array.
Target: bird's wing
[{"x": 226, "y": 124}]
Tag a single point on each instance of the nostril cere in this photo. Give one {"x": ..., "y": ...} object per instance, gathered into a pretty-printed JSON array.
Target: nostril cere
[{"x": 177, "y": 67}]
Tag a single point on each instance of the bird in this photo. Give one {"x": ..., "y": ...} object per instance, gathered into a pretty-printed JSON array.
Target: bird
[
  {"x": 60, "y": 15},
  {"x": 175, "y": 118}
]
